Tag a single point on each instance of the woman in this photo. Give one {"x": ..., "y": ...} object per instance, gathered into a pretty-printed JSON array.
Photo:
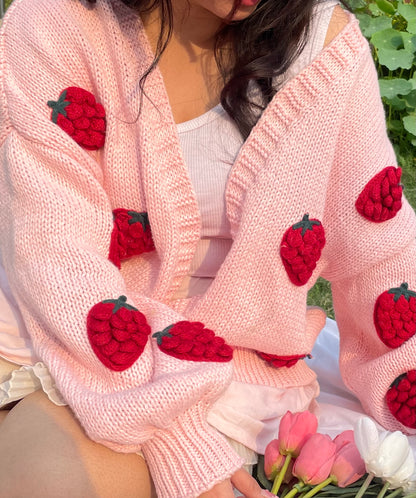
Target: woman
[{"x": 113, "y": 244}]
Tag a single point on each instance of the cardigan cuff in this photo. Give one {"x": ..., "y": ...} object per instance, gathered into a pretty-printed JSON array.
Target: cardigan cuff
[{"x": 189, "y": 457}]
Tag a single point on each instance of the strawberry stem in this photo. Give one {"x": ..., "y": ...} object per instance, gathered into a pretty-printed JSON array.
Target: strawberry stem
[
  {"x": 160, "y": 335},
  {"x": 141, "y": 218},
  {"x": 403, "y": 290},
  {"x": 120, "y": 303},
  {"x": 58, "y": 107},
  {"x": 305, "y": 224}
]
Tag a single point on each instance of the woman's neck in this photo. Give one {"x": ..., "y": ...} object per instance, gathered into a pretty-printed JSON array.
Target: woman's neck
[{"x": 194, "y": 27}]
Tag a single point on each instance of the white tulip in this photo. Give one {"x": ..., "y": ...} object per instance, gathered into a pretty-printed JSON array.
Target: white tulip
[
  {"x": 387, "y": 455},
  {"x": 366, "y": 438},
  {"x": 391, "y": 456},
  {"x": 410, "y": 486},
  {"x": 404, "y": 476}
]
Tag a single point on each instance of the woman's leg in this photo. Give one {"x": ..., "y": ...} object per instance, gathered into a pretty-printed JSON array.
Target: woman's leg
[
  {"x": 45, "y": 453},
  {"x": 3, "y": 414}
]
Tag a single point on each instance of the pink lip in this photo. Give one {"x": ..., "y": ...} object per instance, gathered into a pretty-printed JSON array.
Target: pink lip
[{"x": 249, "y": 3}]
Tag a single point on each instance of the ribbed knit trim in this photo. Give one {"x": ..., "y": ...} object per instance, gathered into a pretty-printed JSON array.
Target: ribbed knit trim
[
  {"x": 288, "y": 105},
  {"x": 250, "y": 368},
  {"x": 189, "y": 457},
  {"x": 164, "y": 166}
]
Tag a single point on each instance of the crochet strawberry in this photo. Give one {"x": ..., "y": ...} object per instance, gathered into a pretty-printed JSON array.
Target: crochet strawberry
[
  {"x": 301, "y": 248},
  {"x": 79, "y": 115},
  {"x": 401, "y": 399},
  {"x": 395, "y": 315},
  {"x": 193, "y": 342},
  {"x": 282, "y": 361},
  {"x": 381, "y": 198},
  {"x": 117, "y": 333},
  {"x": 131, "y": 235}
]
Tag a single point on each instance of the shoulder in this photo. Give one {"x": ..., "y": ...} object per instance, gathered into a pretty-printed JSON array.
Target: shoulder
[{"x": 338, "y": 21}]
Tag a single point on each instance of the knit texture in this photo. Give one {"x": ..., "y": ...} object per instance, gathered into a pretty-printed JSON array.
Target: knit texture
[{"x": 316, "y": 147}]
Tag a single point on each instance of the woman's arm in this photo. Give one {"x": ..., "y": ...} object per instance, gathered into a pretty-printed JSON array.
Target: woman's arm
[{"x": 56, "y": 223}]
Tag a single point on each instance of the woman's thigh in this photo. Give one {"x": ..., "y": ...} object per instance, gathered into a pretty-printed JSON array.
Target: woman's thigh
[
  {"x": 3, "y": 414},
  {"x": 45, "y": 453}
]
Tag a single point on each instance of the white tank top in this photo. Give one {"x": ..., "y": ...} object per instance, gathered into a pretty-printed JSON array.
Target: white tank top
[{"x": 210, "y": 144}]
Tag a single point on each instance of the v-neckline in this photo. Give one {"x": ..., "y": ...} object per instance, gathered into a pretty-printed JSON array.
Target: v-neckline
[{"x": 296, "y": 96}]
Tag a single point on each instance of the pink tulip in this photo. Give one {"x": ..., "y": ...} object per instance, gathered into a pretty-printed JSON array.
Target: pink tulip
[
  {"x": 273, "y": 459},
  {"x": 348, "y": 465},
  {"x": 294, "y": 430},
  {"x": 315, "y": 460}
]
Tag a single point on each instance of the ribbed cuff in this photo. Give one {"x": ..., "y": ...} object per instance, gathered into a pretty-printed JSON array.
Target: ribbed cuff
[{"x": 189, "y": 457}]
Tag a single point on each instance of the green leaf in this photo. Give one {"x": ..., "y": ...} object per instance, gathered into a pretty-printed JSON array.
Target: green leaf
[
  {"x": 261, "y": 476},
  {"x": 375, "y": 24},
  {"x": 394, "y": 59},
  {"x": 373, "y": 8},
  {"x": 409, "y": 41},
  {"x": 388, "y": 38},
  {"x": 409, "y": 123},
  {"x": 408, "y": 11},
  {"x": 389, "y": 88},
  {"x": 357, "y": 5},
  {"x": 410, "y": 99},
  {"x": 386, "y": 6},
  {"x": 395, "y": 126},
  {"x": 396, "y": 103},
  {"x": 364, "y": 21}
]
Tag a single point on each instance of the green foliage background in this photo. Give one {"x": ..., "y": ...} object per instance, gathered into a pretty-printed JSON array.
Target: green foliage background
[{"x": 390, "y": 26}]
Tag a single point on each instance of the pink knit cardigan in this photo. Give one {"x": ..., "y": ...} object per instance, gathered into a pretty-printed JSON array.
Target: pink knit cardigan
[{"x": 320, "y": 146}]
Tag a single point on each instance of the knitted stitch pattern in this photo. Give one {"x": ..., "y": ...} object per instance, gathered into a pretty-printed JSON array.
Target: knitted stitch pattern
[{"x": 316, "y": 147}]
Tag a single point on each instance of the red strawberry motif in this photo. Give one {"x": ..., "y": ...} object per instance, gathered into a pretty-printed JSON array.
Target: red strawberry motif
[
  {"x": 381, "y": 198},
  {"x": 401, "y": 399},
  {"x": 282, "y": 361},
  {"x": 117, "y": 333},
  {"x": 395, "y": 315},
  {"x": 193, "y": 342},
  {"x": 131, "y": 235},
  {"x": 79, "y": 115},
  {"x": 301, "y": 248}
]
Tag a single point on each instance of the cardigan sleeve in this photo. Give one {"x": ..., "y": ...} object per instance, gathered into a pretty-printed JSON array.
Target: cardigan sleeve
[
  {"x": 371, "y": 251},
  {"x": 56, "y": 225}
]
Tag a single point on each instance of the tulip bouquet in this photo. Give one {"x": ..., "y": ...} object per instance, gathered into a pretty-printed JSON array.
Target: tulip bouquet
[{"x": 303, "y": 463}]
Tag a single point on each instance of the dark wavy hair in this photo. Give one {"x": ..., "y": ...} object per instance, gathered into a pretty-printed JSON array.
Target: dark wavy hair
[{"x": 260, "y": 48}]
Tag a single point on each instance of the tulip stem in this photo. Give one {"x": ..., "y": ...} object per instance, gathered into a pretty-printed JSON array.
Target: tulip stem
[
  {"x": 413, "y": 495},
  {"x": 296, "y": 489},
  {"x": 395, "y": 493},
  {"x": 318, "y": 487},
  {"x": 383, "y": 490},
  {"x": 365, "y": 485},
  {"x": 279, "y": 478}
]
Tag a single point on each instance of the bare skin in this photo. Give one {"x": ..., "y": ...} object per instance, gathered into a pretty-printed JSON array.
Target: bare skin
[{"x": 46, "y": 440}]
